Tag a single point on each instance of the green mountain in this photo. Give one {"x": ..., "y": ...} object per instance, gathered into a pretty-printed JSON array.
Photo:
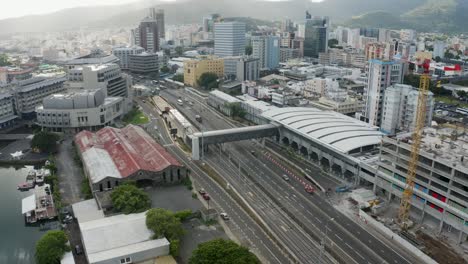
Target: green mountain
[{"x": 433, "y": 15}]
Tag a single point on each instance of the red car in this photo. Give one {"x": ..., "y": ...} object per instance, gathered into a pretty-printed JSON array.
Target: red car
[
  {"x": 309, "y": 189},
  {"x": 206, "y": 197}
]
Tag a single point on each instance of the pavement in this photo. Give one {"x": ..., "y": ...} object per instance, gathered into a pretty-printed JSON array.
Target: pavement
[
  {"x": 174, "y": 198},
  {"x": 311, "y": 211},
  {"x": 69, "y": 173}
]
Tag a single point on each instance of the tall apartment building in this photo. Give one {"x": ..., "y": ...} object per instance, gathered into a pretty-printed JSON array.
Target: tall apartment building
[
  {"x": 315, "y": 36},
  {"x": 400, "y": 106},
  {"x": 241, "y": 68},
  {"x": 77, "y": 110},
  {"x": 146, "y": 35},
  {"x": 369, "y": 32},
  {"x": 229, "y": 39},
  {"x": 407, "y": 35},
  {"x": 380, "y": 75},
  {"x": 29, "y": 94},
  {"x": 439, "y": 49},
  {"x": 289, "y": 54},
  {"x": 379, "y": 51},
  {"x": 104, "y": 75},
  {"x": 267, "y": 50},
  {"x": 193, "y": 69},
  {"x": 123, "y": 54},
  {"x": 158, "y": 15},
  {"x": 440, "y": 190},
  {"x": 7, "y": 110}
]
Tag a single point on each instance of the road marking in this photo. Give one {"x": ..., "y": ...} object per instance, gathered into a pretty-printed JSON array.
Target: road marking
[
  {"x": 357, "y": 253},
  {"x": 318, "y": 220},
  {"x": 338, "y": 237},
  {"x": 348, "y": 245}
]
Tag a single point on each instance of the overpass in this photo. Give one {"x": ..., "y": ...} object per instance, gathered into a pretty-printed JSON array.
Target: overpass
[
  {"x": 14, "y": 136},
  {"x": 201, "y": 139}
]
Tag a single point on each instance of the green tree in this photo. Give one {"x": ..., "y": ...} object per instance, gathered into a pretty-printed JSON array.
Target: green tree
[
  {"x": 165, "y": 223},
  {"x": 438, "y": 59},
  {"x": 332, "y": 43},
  {"x": 179, "y": 50},
  {"x": 236, "y": 110},
  {"x": 449, "y": 55},
  {"x": 45, "y": 141},
  {"x": 178, "y": 78},
  {"x": 129, "y": 199},
  {"x": 248, "y": 50},
  {"x": 222, "y": 251},
  {"x": 4, "y": 60},
  {"x": 165, "y": 69},
  {"x": 51, "y": 247},
  {"x": 462, "y": 94},
  {"x": 208, "y": 81},
  {"x": 167, "y": 52}
]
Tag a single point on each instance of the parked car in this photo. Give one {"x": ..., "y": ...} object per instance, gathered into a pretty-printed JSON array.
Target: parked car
[
  {"x": 224, "y": 216},
  {"x": 78, "y": 250},
  {"x": 309, "y": 189},
  {"x": 202, "y": 191},
  {"x": 285, "y": 177}
]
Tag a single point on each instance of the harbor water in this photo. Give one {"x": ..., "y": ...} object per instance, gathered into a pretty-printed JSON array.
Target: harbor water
[{"x": 17, "y": 241}]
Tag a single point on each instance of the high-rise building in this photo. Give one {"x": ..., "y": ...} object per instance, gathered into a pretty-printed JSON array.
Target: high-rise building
[
  {"x": 287, "y": 25},
  {"x": 147, "y": 35},
  {"x": 439, "y": 49},
  {"x": 315, "y": 36},
  {"x": 369, "y": 32},
  {"x": 400, "y": 105},
  {"x": 384, "y": 35},
  {"x": 408, "y": 35},
  {"x": 267, "y": 50},
  {"x": 158, "y": 15},
  {"x": 379, "y": 51},
  {"x": 144, "y": 63},
  {"x": 241, "y": 68},
  {"x": 380, "y": 75},
  {"x": 229, "y": 39}
]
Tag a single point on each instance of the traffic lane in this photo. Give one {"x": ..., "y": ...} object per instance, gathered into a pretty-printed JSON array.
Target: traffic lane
[
  {"x": 232, "y": 208},
  {"x": 313, "y": 220},
  {"x": 299, "y": 243},
  {"x": 354, "y": 229}
]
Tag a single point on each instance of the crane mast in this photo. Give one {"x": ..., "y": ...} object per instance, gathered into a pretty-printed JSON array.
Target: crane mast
[{"x": 405, "y": 205}]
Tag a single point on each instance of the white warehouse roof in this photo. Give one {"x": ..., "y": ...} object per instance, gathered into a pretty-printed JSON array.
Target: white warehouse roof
[{"x": 330, "y": 128}]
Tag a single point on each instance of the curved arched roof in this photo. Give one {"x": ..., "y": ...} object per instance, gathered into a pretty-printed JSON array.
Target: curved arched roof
[{"x": 330, "y": 128}]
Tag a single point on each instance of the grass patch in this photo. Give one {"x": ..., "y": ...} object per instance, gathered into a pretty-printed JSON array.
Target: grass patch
[
  {"x": 183, "y": 146},
  {"x": 451, "y": 100},
  {"x": 210, "y": 222},
  {"x": 86, "y": 189},
  {"x": 135, "y": 117}
]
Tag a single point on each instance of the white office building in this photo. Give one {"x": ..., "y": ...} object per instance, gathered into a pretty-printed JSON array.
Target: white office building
[
  {"x": 241, "y": 68},
  {"x": 380, "y": 75},
  {"x": 267, "y": 50},
  {"x": 77, "y": 110},
  {"x": 123, "y": 53},
  {"x": 400, "y": 105},
  {"x": 229, "y": 39},
  {"x": 7, "y": 110},
  {"x": 439, "y": 49}
]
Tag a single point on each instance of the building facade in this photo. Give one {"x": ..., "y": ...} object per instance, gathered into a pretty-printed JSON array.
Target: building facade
[
  {"x": 158, "y": 15},
  {"x": 193, "y": 69},
  {"x": 147, "y": 35},
  {"x": 7, "y": 110},
  {"x": 400, "y": 107},
  {"x": 267, "y": 50},
  {"x": 123, "y": 54},
  {"x": 30, "y": 93},
  {"x": 315, "y": 36},
  {"x": 380, "y": 75},
  {"x": 144, "y": 63},
  {"x": 229, "y": 39},
  {"x": 75, "y": 111},
  {"x": 241, "y": 68}
]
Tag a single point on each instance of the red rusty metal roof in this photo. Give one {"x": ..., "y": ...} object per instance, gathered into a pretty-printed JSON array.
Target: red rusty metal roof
[{"x": 130, "y": 148}]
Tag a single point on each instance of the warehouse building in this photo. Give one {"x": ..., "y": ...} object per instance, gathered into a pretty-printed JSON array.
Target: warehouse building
[{"x": 112, "y": 156}]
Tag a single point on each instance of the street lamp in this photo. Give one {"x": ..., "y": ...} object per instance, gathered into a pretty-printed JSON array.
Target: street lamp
[{"x": 322, "y": 248}]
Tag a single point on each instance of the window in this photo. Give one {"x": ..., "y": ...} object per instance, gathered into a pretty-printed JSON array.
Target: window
[{"x": 126, "y": 260}]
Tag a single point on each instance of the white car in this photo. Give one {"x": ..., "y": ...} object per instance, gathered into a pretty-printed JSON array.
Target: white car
[{"x": 224, "y": 216}]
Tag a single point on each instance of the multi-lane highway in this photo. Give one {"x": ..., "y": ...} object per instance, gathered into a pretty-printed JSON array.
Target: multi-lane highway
[
  {"x": 241, "y": 224},
  {"x": 312, "y": 213}
]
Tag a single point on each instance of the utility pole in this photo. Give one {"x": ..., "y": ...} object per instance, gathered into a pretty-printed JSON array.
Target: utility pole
[{"x": 324, "y": 239}]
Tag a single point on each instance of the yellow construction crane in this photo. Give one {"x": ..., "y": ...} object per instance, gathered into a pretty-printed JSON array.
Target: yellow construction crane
[{"x": 405, "y": 205}]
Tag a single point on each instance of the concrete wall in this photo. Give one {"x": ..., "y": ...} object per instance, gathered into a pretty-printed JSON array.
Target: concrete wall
[{"x": 390, "y": 234}]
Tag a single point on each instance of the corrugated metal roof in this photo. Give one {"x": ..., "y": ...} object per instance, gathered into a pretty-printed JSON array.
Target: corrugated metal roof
[
  {"x": 28, "y": 204},
  {"x": 130, "y": 149},
  {"x": 334, "y": 129}
]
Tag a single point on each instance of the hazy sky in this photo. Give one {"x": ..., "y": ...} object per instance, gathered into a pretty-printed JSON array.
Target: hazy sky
[{"x": 16, "y": 8}]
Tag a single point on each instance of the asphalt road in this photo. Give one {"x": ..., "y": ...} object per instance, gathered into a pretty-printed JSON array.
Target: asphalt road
[
  {"x": 248, "y": 231},
  {"x": 69, "y": 174},
  {"x": 344, "y": 233}
]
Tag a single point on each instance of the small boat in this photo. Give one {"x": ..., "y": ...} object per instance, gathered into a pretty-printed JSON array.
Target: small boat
[
  {"x": 31, "y": 174},
  {"x": 47, "y": 163},
  {"x": 25, "y": 186},
  {"x": 40, "y": 176}
]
